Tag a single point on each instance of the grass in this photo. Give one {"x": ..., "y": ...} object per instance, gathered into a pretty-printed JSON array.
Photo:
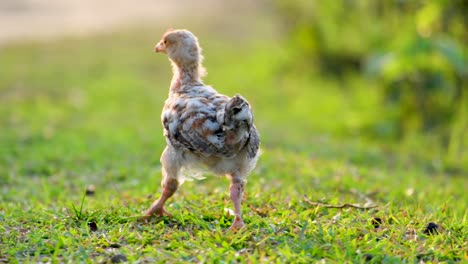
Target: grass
[{"x": 81, "y": 112}]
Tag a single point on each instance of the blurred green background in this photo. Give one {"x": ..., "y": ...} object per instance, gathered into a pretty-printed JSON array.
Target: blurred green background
[
  {"x": 401, "y": 64},
  {"x": 384, "y": 74}
]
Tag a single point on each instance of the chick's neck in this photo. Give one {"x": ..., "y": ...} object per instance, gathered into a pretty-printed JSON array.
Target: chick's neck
[{"x": 185, "y": 74}]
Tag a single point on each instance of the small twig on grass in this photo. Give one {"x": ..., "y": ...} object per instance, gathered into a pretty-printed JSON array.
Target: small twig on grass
[{"x": 340, "y": 206}]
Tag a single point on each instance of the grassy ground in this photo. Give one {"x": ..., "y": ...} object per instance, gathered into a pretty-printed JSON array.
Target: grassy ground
[{"x": 81, "y": 112}]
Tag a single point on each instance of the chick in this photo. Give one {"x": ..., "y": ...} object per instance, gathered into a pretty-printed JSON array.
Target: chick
[{"x": 203, "y": 128}]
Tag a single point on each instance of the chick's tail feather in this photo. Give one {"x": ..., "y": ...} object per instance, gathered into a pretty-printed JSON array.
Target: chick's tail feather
[{"x": 237, "y": 120}]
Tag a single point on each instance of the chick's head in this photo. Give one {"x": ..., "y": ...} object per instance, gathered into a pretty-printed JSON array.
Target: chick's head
[{"x": 181, "y": 46}]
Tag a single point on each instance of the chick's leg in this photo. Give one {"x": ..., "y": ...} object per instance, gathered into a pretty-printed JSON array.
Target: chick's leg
[
  {"x": 170, "y": 171},
  {"x": 237, "y": 189},
  {"x": 157, "y": 208}
]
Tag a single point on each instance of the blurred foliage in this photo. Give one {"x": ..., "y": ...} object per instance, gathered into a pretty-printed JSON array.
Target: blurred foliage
[{"x": 413, "y": 49}]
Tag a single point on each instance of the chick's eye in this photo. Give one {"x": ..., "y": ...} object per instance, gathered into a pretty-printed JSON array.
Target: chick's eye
[{"x": 165, "y": 42}]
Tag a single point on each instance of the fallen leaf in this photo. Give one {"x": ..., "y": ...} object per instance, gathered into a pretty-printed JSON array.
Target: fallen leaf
[
  {"x": 376, "y": 222},
  {"x": 431, "y": 229},
  {"x": 119, "y": 258},
  {"x": 90, "y": 190},
  {"x": 92, "y": 226}
]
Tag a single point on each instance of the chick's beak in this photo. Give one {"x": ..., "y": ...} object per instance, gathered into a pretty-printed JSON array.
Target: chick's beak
[{"x": 160, "y": 47}]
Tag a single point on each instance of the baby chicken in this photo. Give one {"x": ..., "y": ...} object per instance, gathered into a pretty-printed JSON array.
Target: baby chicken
[{"x": 203, "y": 128}]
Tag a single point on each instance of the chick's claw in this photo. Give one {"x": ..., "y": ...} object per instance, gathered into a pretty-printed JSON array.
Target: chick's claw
[
  {"x": 159, "y": 211},
  {"x": 236, "y": 225}
]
